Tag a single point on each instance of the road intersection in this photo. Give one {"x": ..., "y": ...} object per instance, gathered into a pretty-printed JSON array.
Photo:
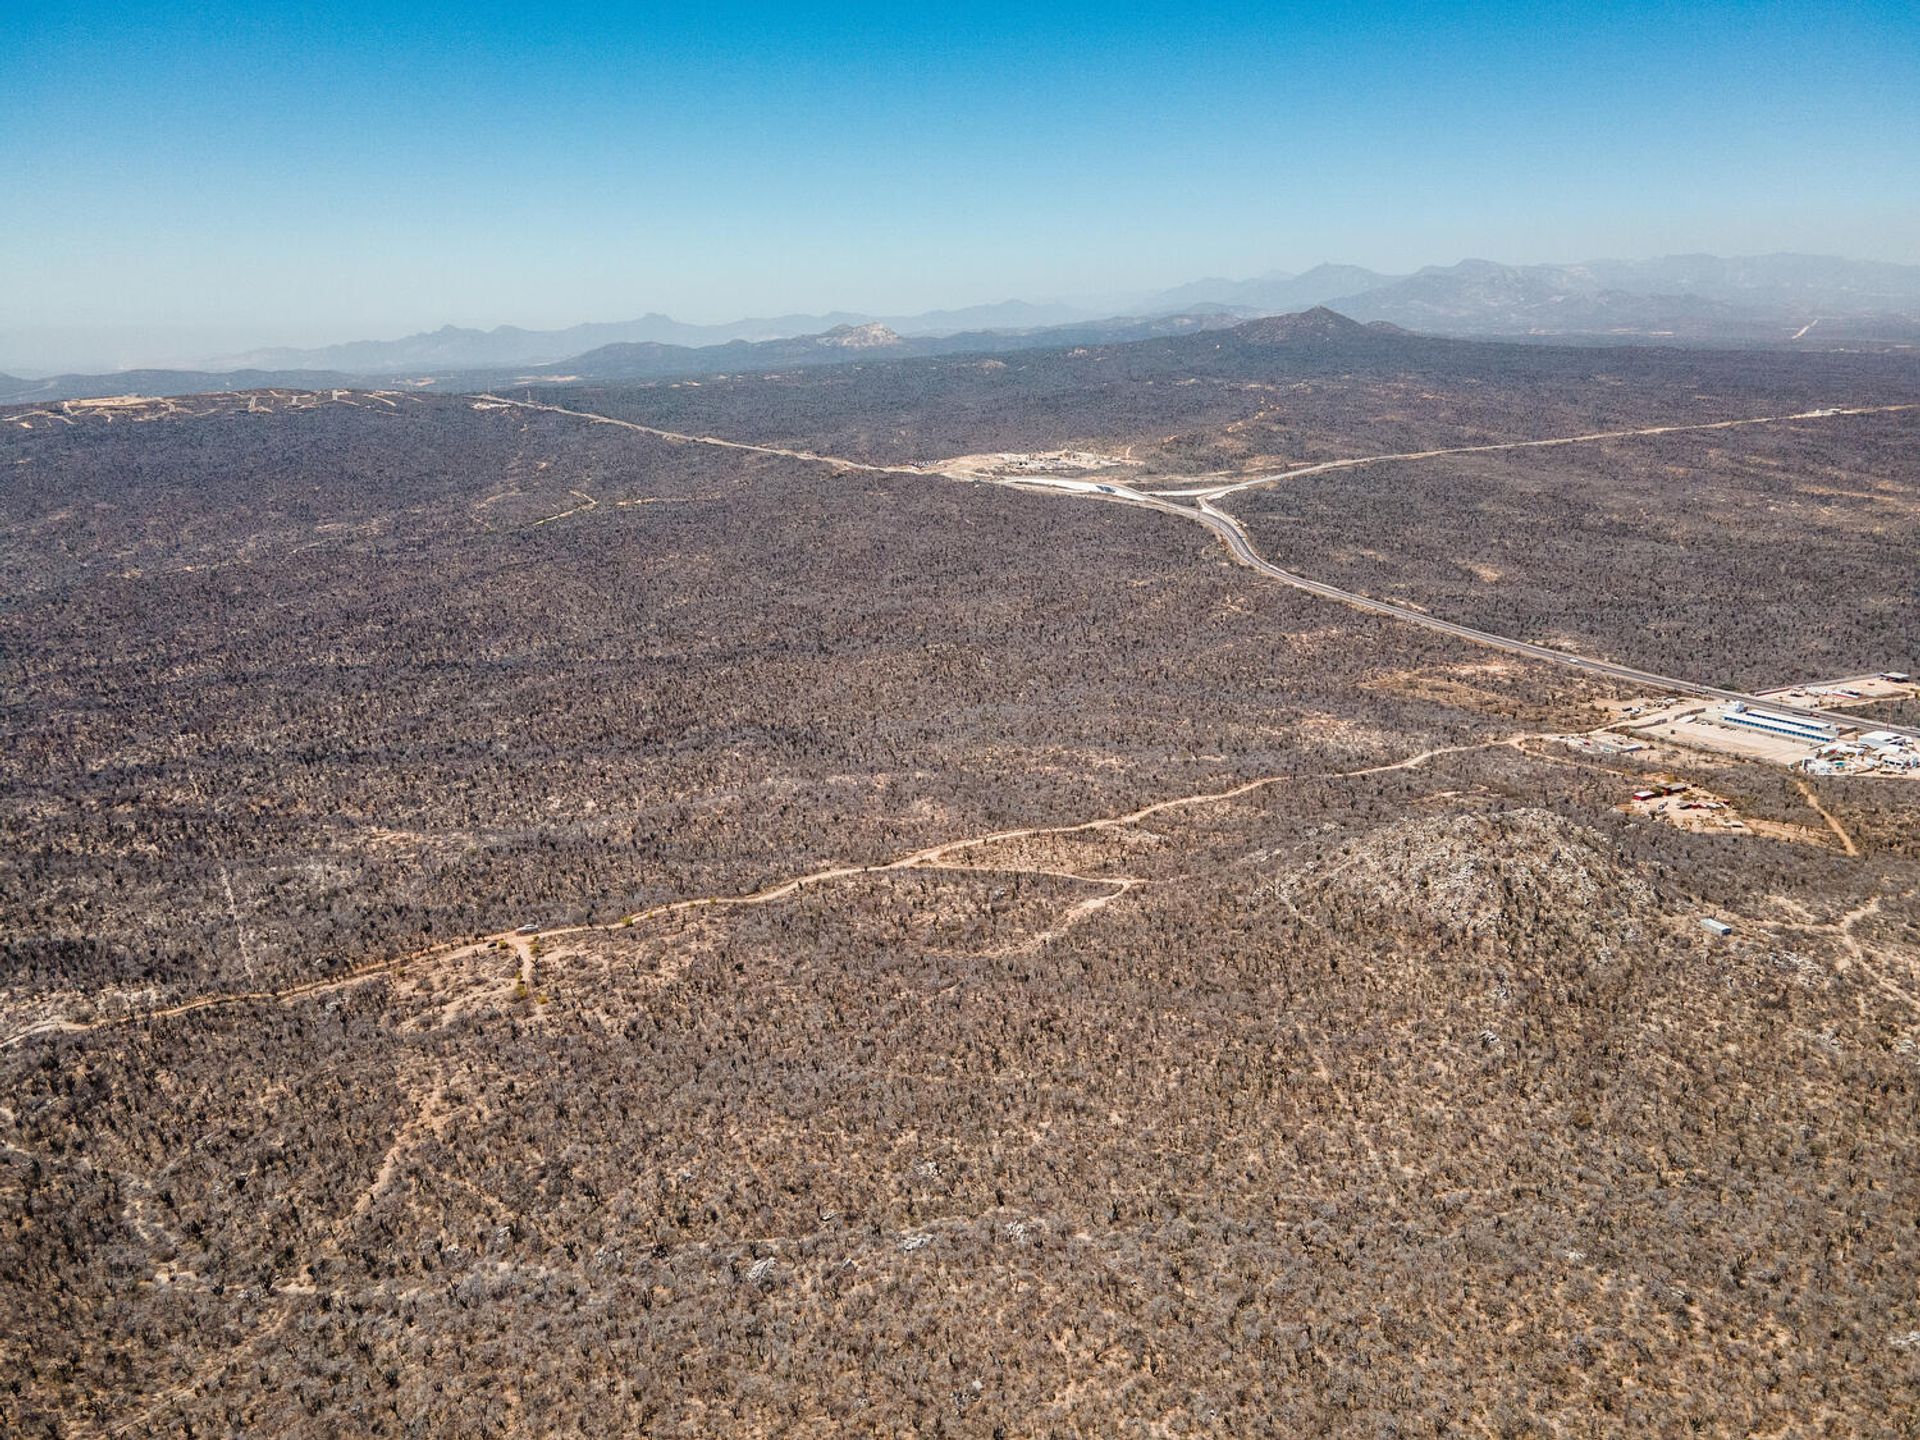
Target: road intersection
[{"x": 1234, "y": 535}]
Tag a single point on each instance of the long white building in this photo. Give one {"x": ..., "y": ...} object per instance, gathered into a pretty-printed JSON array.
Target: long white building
[{"x": 1795, "y": 727}]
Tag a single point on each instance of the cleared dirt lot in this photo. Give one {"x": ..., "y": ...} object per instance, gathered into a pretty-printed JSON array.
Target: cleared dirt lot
[
  {"x": 1702, "y": 811},
  {"x": 1845, "y": 693}
]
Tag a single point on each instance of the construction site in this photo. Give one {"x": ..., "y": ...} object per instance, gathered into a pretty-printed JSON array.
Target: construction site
[{"x": 1788, "y": 736}]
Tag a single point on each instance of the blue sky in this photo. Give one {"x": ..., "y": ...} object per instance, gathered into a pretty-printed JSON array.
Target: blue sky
[{"x": 197, "y": 176}]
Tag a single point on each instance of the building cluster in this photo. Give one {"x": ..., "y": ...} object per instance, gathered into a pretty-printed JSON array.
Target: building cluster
[
  {"x": 1834, "y": 749},
  {"x": 1661, "y": 788},
  {"x": 1876, "y": 750}
]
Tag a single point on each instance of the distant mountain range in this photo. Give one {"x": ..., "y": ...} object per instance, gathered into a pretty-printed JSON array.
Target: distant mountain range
[
  {"x": 647, "y": 361},
  {"x": 630, "y": 361},
  {"x": 1274, "y": 293},
  {"x": 1697, "y": 297},
  {"x": 1802, "y": 300},
  {"x": 451, "y": 347},
  {"x": 871, "y": 341}
]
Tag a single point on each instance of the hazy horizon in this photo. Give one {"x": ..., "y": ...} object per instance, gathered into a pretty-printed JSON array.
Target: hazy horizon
[
  {"x": 188, "y": 185},
  {"x": 164, "y": 347}
]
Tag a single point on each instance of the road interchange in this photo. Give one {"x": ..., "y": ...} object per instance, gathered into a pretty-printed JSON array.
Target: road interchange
[{"x": 1234, "y": 536}]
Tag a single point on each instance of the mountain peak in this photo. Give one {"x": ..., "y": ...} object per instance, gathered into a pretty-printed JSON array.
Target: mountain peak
[
  {"x": 1319, "y": 323},
  {"x": 859, "y": 337}
]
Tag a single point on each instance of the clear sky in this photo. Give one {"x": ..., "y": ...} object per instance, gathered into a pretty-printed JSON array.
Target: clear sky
[{"x": 191, "y": 177}]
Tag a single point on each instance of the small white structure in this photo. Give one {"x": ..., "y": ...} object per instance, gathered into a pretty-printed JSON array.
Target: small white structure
[{"x": 1715, "y": 927}]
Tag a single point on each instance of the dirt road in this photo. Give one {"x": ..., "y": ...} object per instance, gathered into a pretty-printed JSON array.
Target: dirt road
[
  {"x": 931, "y": 857},
  {"x": 1214, "y": 492}
]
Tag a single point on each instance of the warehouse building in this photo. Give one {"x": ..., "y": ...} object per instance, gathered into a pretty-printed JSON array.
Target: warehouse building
[{"x": 1794, "y": 727}]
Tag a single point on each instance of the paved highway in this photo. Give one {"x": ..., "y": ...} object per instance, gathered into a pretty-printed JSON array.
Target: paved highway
[{"x": 1234, "y": 536}]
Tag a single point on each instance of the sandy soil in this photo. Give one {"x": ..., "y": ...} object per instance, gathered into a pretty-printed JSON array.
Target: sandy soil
[{"x": 1825, "y": 694}]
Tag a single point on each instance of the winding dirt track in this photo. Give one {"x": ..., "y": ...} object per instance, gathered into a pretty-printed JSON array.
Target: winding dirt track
[
  {"x": 1231, "y": 533},
  {"x": 931, "y": 857},
  {"x": 1839, "y": 830}
]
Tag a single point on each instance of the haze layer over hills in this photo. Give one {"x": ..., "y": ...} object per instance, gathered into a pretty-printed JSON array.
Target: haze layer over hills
[{"x": 1809, "y": 301}]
